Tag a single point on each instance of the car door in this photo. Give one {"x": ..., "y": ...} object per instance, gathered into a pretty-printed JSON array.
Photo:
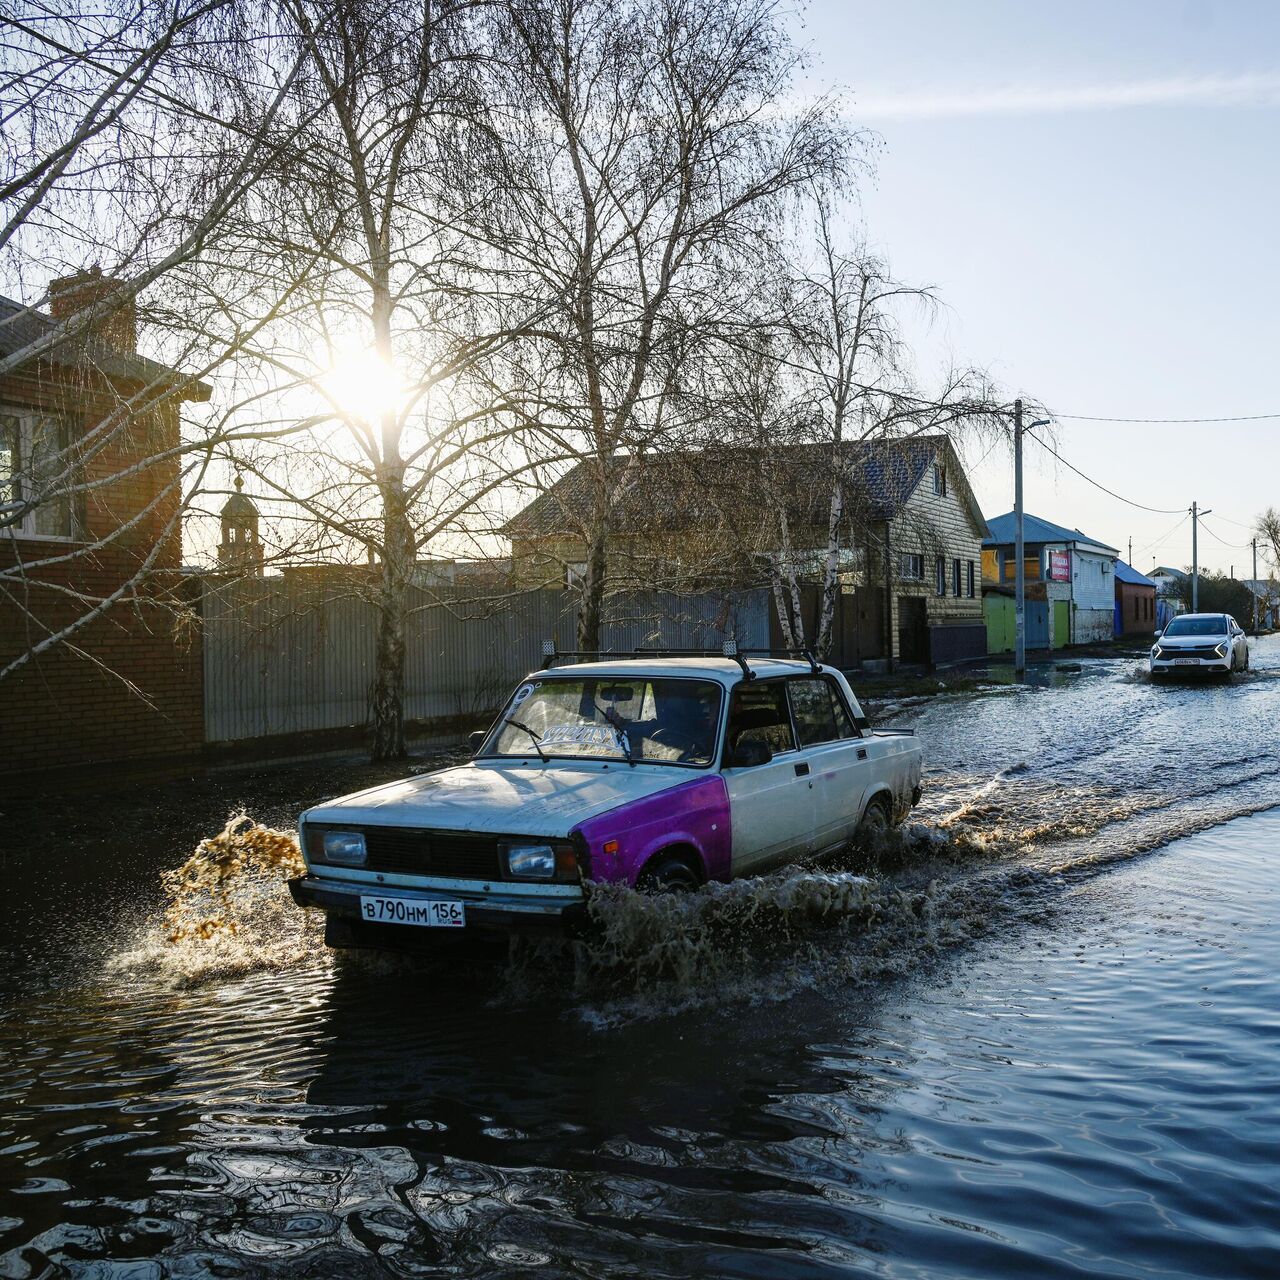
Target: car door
[
  {"x": 836, "y": 754},
  {"x": 770, "y": 805}
]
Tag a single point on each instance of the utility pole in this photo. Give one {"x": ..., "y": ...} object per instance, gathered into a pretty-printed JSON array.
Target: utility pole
[
  {"x": 1020, "y": 568},
  {"x": 1130, "y": 560},
  {"x": 1195, "y": 555},
  {"x": 1253, "y": 586}
]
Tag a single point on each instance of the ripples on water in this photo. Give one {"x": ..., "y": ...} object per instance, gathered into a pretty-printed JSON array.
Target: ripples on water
[{"x": 976, "y": 1056}]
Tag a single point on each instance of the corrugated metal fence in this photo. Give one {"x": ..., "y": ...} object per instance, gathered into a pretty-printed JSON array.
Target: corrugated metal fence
[{"x": 289, "y": 656}]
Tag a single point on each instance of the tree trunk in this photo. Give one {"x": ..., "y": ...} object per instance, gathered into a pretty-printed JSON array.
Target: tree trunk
[
  {"x": 830, "y": 583},
  {"x": 591, "y": 602},
  {"x": 780, "y": 604},
  {"x": 386, "y": 703}
]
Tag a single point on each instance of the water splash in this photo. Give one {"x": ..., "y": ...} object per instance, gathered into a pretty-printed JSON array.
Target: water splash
[{"x": 227, "y": 910}]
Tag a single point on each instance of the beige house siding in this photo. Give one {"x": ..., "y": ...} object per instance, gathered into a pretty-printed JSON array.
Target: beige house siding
[{"x": 935, "y": 525}]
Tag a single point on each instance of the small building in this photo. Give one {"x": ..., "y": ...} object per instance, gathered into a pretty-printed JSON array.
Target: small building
[
  {"x": 1267, "y": 593},
  {"x": 1070, "y": 581},
  {"x": 1166, "y": 579},
  {"x": 1135, "y": 602},
  {"x": 909, "y": 543}
]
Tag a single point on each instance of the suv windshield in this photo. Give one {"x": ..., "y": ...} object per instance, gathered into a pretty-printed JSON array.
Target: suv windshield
[
  {"x": 1196, "y": 627},
  {"x": 641, "y": 718}
]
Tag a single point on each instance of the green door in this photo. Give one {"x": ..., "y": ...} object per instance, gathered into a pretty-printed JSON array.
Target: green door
[{"x": 1061, "y": 623}]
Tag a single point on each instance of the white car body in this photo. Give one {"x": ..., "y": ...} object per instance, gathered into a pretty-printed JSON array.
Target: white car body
[
  {"x": 451, "y": 835},
  {"x": 1211, "y": 643}
]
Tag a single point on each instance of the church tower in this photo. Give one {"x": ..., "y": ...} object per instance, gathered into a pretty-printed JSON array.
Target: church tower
[{"x": 240, "y": 550}]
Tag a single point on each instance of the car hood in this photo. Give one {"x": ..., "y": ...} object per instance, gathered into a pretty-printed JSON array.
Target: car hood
[
  {"x": 518, "y": 798},
  {"x": 1192, "y": 642}
]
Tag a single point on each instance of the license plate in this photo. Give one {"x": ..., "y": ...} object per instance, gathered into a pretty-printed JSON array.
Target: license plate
[
  {"x": 1186, "y": 662},
  {"x": 429, "y": 913}
]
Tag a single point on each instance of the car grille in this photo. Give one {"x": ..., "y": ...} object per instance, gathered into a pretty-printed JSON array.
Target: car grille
[
  {"x": 412, "y": 851},
  {"x": 1190, "y": 651}
]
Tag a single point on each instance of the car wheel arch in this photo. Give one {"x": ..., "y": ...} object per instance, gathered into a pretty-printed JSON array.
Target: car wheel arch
[{"x": 682, "y": 849}]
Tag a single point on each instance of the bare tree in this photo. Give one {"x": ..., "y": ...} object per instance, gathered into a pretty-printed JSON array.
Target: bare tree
[{"x": 651, "y": 145}]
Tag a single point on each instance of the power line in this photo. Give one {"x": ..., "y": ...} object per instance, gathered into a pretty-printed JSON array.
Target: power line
[
  {"x": 1163, "y": 539},
  {"x": 1250, "y": 417},
  {"x": 1239, "y": 546},
  {"x": 1160, "y": 511}
]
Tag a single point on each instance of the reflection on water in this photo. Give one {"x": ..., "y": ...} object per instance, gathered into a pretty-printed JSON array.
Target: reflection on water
[{"x": 991, "y": 1060}]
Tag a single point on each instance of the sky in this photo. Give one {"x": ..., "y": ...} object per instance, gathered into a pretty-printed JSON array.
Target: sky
[{"x": 1093, "y": 189}]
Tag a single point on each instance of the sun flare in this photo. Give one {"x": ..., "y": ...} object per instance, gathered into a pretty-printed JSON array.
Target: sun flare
[{"x": 361, "y": 383}]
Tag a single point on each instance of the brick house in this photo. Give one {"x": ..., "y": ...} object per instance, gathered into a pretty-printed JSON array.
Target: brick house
[
  {"x": 909, "y": 543},
  {"x": 1135, "y": 602},
  {"x": 127, "y": 684}
]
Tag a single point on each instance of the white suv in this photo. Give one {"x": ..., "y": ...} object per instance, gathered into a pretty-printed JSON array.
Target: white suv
[{"x": 1201, "y": 642}]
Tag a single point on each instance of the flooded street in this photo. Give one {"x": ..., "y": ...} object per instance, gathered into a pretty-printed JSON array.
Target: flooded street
[{"x": 1042, "y": 1038}]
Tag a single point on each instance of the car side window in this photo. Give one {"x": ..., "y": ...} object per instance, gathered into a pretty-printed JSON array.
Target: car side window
[
  {"x": 759, "y": 713},
  {"x": 819, "y": 715}
]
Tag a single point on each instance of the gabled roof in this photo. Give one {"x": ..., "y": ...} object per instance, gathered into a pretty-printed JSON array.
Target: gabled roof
[
  {"x": 1127, "y": 573},
  {"x": 674, "y": 489},
  {"x": 21, "y": 326},
  {"x": 1165, "y": 571},
  {"x": 1036, "y": 530}
]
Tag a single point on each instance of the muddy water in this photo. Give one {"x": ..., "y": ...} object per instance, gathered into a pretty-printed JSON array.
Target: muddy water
[{"x": 1042, "y": 1036}]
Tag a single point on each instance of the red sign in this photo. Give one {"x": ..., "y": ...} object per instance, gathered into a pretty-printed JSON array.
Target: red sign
[{"x": 1059, "y": 566}]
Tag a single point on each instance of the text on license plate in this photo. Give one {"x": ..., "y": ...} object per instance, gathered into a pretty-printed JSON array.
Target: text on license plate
[
  {"x": 1186, "y": 662},
  {"x": 431, "y": 913}
]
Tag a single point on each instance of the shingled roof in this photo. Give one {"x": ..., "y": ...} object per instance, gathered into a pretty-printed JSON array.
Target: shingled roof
[
  {"x": 21, "y": 326},
  {"x": 674, "y": 489}
]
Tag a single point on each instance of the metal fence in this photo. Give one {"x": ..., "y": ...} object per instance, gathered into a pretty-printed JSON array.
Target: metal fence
[{"x": 289, "y": 656}]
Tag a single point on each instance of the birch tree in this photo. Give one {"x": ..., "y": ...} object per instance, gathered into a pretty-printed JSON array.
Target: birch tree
[{"x": 651, "y": 142}]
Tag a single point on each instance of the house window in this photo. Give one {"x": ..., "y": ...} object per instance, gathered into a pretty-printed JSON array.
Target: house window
[
  {"x": 911, "y": 568},
  {"x": 33, "y": 462},
  {"x": 969, "y": 583},
  {"x": 940, "y": 481},
  {"x": 940, "y": 574},
  {"x": 955, "y": 577},
  {"x": 575, "y": 576}
]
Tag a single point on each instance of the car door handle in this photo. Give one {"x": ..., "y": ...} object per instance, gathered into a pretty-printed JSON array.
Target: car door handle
[
  {"x": 802, "y": 771},
  {"x": 862, "y": 753}
]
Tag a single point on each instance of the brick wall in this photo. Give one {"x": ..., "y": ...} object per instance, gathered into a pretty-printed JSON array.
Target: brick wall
[{"x": 128, "y": 686}]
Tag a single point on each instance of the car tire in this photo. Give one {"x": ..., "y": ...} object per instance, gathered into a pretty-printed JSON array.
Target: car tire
[
  {"x": 875, "y": 824},
  {"x": 669, "y": 873}
]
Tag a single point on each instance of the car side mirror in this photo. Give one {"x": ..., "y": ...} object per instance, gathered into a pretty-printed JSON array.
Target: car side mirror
[
  {"x": 748, "y": 754},
  {"x": 475, "y": 740}
]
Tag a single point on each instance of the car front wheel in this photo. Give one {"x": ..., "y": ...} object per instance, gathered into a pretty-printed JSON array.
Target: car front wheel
[{"x": 669, "y": 873}]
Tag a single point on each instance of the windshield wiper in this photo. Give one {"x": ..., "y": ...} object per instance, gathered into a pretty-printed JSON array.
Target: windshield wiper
[
  {"x": 620, "y": 726},
  {"x": 533, "y": 734}
]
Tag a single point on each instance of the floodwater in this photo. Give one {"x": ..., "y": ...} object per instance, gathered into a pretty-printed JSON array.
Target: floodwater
[{"x": 1042, "y": 1038}]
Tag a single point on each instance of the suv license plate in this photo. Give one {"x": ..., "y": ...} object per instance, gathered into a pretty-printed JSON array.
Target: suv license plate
[
  {"x": 1186, "y": 662},
  {"x": 430, "y": 913}
]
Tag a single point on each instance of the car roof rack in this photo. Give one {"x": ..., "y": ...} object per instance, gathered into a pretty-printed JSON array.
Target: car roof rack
[{"x": 727, "y": 650}]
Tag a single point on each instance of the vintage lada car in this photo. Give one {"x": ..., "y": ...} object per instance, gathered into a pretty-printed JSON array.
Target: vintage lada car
[{"x": 661, "y": 773}]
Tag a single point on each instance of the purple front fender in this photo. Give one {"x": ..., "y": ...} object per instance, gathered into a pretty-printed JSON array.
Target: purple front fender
[{"x": 693, "y": 813}]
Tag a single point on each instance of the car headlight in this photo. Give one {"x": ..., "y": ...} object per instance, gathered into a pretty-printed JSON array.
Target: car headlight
[
  {"x": 345, "y": 848},
  {"x": 534, "y": 860},
  {"x": 1157, "y": 651},
  {"x": 1221, "y": 650}
]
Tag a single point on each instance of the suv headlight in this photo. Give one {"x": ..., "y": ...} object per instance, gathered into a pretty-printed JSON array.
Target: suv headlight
[
  {"x": 344, "y": 848},
  {"x": 540, "y": 860},
  {"x": 1157, "y": 651},
  {"x": 1221, "y": 650}
]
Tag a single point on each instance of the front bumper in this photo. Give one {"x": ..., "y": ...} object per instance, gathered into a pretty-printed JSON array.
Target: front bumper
[
  {"x": 490, "y": 913},
  {"x": 1207, "y": 666}
]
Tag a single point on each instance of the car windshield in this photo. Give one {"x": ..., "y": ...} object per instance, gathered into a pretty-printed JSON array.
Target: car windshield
[
  {"x": 1196, "y": 627},
  {"x": 640, "y": 718}
]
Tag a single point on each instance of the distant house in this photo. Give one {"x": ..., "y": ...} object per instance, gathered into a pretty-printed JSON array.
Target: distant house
[
  {"x": 1267, "y": 593},
  {"x": 1070, "y": 581},
  {"x": 1166, "y": 579},
  {"x": 127, "y": 684},
  {"x": 909, "y": 544},
  {"x": 1135, "y": 602}
]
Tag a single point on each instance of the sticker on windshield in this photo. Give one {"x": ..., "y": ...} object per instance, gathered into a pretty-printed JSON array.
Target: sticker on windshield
[
  {"x": 594, "y": 736},
  {"x": 521, "y": 694}
]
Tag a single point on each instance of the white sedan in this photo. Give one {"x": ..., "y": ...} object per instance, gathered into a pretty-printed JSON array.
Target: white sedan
[{"x": 1201, "y": 642}]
